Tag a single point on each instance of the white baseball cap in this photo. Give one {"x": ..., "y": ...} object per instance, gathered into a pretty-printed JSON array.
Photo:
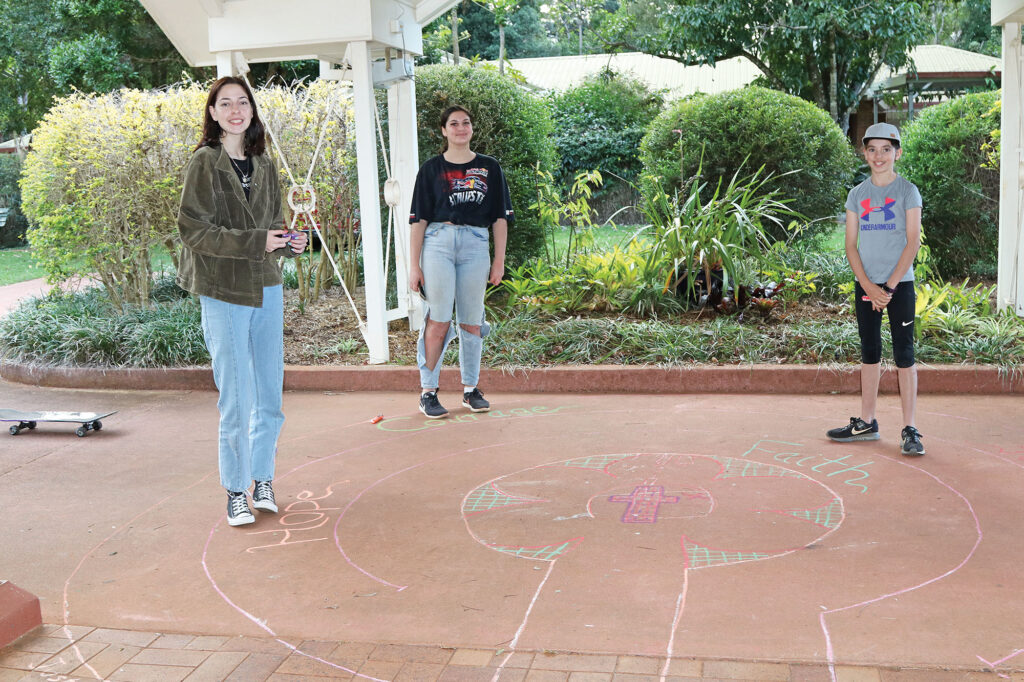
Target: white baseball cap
[{"x": 881, "y": 131}]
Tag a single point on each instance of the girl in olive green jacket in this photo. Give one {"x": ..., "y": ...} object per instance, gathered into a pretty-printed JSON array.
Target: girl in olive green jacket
[{"x": 231, "y": 228}]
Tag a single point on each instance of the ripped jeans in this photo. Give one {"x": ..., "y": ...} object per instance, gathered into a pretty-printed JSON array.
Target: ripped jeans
[{"x": 456, "y": 262}]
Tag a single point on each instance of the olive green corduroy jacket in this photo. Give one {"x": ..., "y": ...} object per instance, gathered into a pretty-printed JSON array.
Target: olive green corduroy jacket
[{"x": 224, "y": 235}]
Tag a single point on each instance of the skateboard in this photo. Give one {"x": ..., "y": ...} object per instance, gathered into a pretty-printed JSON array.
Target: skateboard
[{"x": 90, "y": 421}]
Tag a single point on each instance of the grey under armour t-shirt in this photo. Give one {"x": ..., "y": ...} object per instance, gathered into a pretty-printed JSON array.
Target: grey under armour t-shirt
[{"x": 882, "y": 216}]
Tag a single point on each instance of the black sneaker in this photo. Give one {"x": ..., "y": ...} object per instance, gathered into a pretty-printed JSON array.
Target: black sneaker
[
  {"x": 474, "y": 400},
  {"x": 431, "y": 406},
  {"x": 238, "y": 510},
  {"x": 263, "y": 497},
  {"x": 911, "y": 445},
  {"x": 857, "y": 429}
]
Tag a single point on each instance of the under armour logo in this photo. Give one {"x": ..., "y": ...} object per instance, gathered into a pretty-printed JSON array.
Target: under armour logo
[{"x": 887, "y": 212}]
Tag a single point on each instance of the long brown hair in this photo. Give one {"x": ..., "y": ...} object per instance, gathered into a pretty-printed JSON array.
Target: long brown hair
[{"x": 255, "y": 142}]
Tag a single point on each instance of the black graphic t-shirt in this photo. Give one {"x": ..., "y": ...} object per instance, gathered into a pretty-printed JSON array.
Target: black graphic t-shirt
[{"x": 473, "y": 193}]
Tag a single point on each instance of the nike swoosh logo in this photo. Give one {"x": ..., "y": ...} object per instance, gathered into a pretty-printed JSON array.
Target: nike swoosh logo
[
  {"x": 906, "y": 323},
  {"x": 857, "y": 433}
]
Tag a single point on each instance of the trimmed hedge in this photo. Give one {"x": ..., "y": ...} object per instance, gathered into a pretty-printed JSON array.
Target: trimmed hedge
[
  {"x": 509, "y": 124},
  {"x": 745, "y": 129},
  {"x": 600, "y": 125},
  {"x": 943, "y": 156}
]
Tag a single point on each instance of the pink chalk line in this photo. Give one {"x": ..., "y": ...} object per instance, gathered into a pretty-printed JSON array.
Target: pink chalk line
[
  {"x": 680, "y": 605},
  {"x": 1009, "y": 461},
  {"x": 337, "y": 540},
  {"x": 260, "y": 623},
  {"x": 522, "y": 626},
  {"x": 257, "y": 621},
  {"x": 67, "y": 583},
  {"x": 830, "y": 653},
  {"x": 993, "y": 664}
]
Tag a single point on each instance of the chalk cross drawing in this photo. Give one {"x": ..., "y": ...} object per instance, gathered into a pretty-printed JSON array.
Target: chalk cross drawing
[{"x": 643, "y": 503}]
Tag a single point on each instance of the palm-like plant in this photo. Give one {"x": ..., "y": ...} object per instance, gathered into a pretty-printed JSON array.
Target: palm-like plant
[{"x": 693, "y": 234}]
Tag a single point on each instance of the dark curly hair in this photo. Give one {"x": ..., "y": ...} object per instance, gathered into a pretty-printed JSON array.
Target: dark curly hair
[{"x": 255, "y": 135}]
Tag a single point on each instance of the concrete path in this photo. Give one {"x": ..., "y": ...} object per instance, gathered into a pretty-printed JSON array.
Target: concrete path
[
  {"x": 12, "y": 294},
  {"x": 558, "y": 537}
]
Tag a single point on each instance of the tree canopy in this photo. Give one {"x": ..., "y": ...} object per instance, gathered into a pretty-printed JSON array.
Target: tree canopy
[{"x": 826, "y": 51}]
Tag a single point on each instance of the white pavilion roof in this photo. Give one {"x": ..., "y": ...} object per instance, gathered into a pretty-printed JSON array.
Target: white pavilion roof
[{"x": 272, "y": 30}]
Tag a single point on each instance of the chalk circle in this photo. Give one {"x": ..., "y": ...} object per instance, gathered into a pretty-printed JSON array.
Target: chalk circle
[
  {"x": 548, "y": 510},
  {"x": 302, "y": 198}
]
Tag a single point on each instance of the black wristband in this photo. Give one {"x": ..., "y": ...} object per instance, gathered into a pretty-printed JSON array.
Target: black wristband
[{"x": 886, "y": 288}]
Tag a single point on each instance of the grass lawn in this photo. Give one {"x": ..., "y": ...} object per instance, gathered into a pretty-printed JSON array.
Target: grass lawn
[
  {"x": 17, "y": 265},
  {"x": 604, "y": 238}
]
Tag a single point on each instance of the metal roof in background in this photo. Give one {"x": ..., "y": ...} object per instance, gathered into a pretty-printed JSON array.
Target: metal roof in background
[{"x": 680, "y": 80}]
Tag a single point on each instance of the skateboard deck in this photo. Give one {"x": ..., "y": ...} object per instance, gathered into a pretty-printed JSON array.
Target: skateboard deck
[{"x": 88, "y": 421}]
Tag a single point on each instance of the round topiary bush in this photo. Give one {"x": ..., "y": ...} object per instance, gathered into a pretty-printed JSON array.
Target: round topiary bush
[
  {"x": 600, "y": 125},
  {"x": 943, "y": 156},
  {"x": 745, "y": 129},
  {"x": 509, "y": 124}
]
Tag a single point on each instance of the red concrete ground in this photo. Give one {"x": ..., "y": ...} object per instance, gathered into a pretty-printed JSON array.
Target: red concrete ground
[{"x": 670, "y": 526}]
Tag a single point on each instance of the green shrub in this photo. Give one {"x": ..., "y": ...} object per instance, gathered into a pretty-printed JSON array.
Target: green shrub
[
  {"x": 742, "y": 130},
  {"x": 84, "y": 328},
  {"x": 12, "y": 233},
  {"x": 508, "y": 123},
  {"x": 600, "y": 125},
  {"x": 943, "y": 156},
  {"x": 103, "y": 182}
]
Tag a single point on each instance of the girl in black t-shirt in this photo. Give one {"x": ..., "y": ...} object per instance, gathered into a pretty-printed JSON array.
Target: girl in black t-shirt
[{"x": 459, "y": 199}]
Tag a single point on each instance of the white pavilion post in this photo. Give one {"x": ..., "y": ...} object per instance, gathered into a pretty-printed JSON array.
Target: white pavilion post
[
  {"x": 1010, "y": 283},
  {"x": 369, "y": 202},
  {"x": 231, "y": 64},
  {"x": 404, "y": 165}
]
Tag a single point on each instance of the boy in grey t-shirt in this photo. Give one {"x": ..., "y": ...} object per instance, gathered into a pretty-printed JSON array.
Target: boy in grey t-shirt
[{"x": 883, "y": 235}]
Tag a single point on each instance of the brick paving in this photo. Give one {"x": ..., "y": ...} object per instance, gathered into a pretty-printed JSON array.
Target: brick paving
[{"x": 48, "y": 653}]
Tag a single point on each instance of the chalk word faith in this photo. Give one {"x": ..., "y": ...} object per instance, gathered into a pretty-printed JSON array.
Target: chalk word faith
[
  {"x": 782, "y": 451},
  {"x": 298, "y": 520},
  {"x": 412, "y": 424}
]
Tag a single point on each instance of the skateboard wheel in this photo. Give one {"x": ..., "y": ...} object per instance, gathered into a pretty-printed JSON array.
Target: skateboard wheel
[
  {"x": 14, "y": 430},
  {"x": 97, "y": 425},
  {"x": 81, "y": 431},
  {"x": 31, "y": 425}
]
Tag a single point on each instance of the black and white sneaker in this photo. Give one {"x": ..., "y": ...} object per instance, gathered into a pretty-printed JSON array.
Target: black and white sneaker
[
  {"x": 238, "y": 510},
  {"x": 263, "y": 497},
  {"x": 431, "y": 406},
  {"x": 910, "y": 444},
  {"x": 474, "y": 400},
  {"x": 857, "y": 429}
]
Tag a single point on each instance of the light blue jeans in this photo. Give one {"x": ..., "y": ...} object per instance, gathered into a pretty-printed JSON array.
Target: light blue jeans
[
  {"x": 455, "y": 261},
  {"x": 247, "y": 353}
]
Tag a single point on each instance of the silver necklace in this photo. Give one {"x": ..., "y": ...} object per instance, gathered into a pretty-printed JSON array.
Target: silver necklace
[{"x": 246, "y": 177}]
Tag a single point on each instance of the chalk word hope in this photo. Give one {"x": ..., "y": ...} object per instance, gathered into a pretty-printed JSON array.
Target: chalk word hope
[{"x": 298, "y": 520}]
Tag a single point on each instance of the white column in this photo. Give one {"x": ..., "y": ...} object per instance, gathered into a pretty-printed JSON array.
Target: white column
[
  {"x": 369, "y": 202},
  {"x": 231, "y": 64},
  {"x": 404, "y": 165},
  {"x": 1010, "y": 286}
]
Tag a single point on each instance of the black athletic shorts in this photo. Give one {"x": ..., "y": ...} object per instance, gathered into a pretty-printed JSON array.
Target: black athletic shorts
[{"x": 901, "y": 309}]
